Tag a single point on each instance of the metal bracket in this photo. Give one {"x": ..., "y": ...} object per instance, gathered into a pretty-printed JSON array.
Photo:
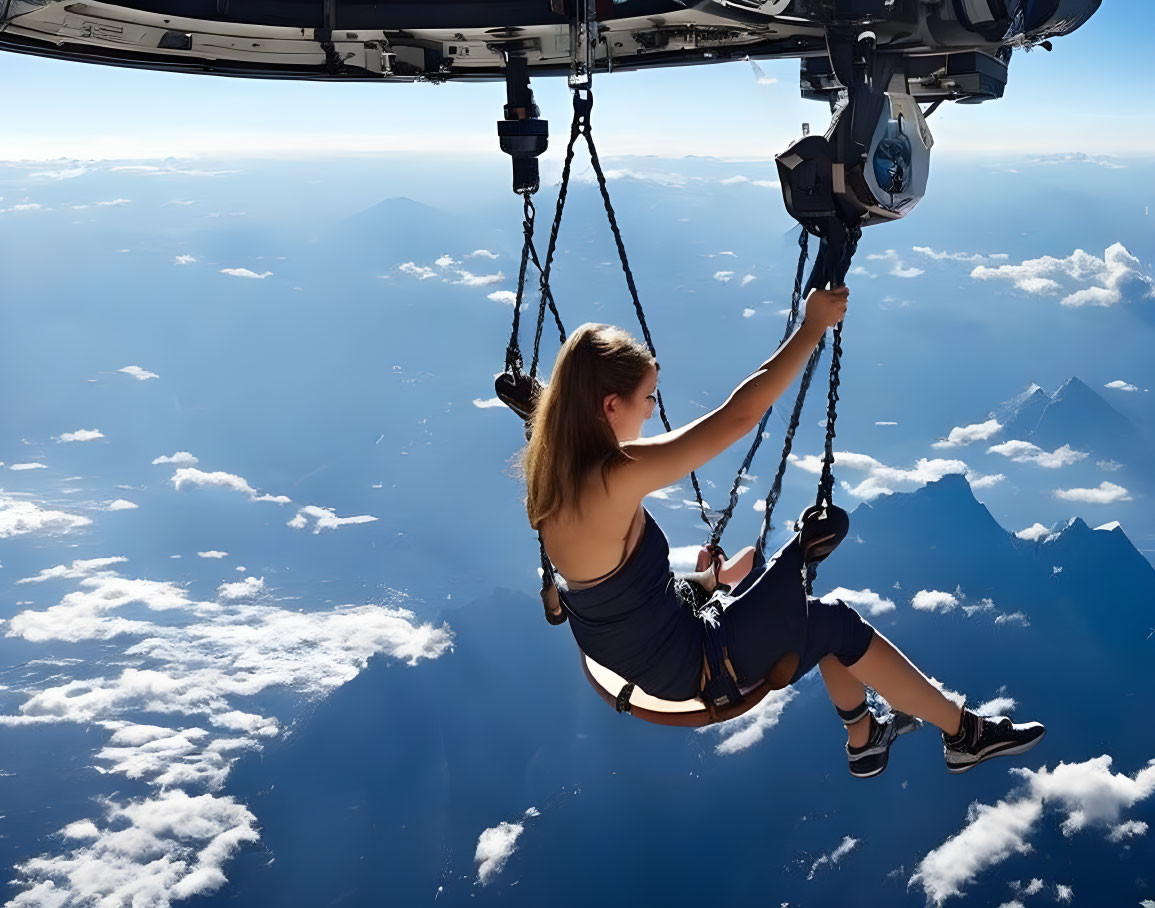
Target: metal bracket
[{"x": 583, "y": 42}]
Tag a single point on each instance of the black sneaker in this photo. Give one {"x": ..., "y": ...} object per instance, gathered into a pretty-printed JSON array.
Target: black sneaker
[
  {"x": 871, "y": 759},
  {"x": 821, "y": 528},
  {"x": 982, "y": 738}
]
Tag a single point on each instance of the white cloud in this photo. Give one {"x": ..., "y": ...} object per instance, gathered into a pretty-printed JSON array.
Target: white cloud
[
  {"x": 985, "y": 482},
  {"x": 751, "y": 727},
  {"x": 86, "y": 567},
  {"x": 1065, "y": 893},
  {"x": 180, "y": 459},
  {"x": 20, "y": 517},
  {"x": 212, "y": 553},
  {"x": 1080, "y": 279},
  {"x": 469, "y": 279},
  {"x": 844, "y": 848},
  {"x": 897, "y": 268},
  {"x": 723, "y": 276},
  {"x": 1024, "y": 452},
  {"x": 966, "y": 435},
  {"x": 28, "y": 466},
  {"x": 970, "y": 258},
  {"x": 999, "y": 706},
  {"x": 494, "y": 846},
  {"x": 668, "y": 179},
  {"x": 115, "y": 203},
  {"x": 326, "y": 519},
  {"x": 1034, "y": 532},
  {"x": 1120, "y": 385},
  {"x": 1034, "y": 887},
  {"x": 934, "y": 601},
  {"x": 746, "y": 279},
  {"x": 482, "y": 254},
  {"x": 138, "y": 373},
  {"x": 488, "y": 403},
  {"x": 666, "y": 493},
  {"x": 121, "y": 504},
  {"x": 1129, "y": 830},
  {"x": 190, "y": 476},
  {"x": 1104, "y": 493},
  {"x": 81, "y": 435},
  {"x": 866, "y": 599},
  {"x": 886, "y": 423},
  {"x": 152, "y": 851},
  {"x": 749, "y": 313},
  {"x": 992, "y": 834},
  {"x": 1088, "y": 793},
  {"x": 245, "y": 272},
  {"x": 503, "y": 296},
  {"x": 445, "y": 260},
  {"x": 185, "y": 260},
  {"x": 242, "y": 589}
]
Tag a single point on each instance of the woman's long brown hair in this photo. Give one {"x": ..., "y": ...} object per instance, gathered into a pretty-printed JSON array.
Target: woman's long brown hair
[{"x": 570, "y": 432}]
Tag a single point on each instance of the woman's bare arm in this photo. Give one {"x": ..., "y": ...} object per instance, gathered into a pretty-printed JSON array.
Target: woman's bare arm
[{"x": 664, "y": 459}]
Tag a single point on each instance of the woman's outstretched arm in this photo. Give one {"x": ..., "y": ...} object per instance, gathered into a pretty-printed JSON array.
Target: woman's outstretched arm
[{"x": 664, "y": 459}]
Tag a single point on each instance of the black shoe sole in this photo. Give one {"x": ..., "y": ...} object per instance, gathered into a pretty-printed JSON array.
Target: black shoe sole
[{"x": 1009, "y": 752}]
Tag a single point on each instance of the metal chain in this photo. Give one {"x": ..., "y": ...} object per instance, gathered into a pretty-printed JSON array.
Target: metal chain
[{"x": 513, "y": 360}]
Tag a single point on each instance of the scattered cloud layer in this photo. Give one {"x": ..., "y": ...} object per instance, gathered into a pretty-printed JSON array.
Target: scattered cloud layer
[
  {"x": 221, "y": 668},
  {"x": 245, "y": 272},
  {"x": 882, "y": 479},
  {"x": 138, "y": 373},
  {"x": 1080, "y": 279},
  {"x": 495, "y": 845},
  {"x": 934, "y": 601},
  {"x": 862, "y": 600},
  {"x": 18, "y": 517},
  {"x": 180, "y": 459},
  {"x": 1120, "y": 385},
  {"x": 1087, "y": 795},
  {"x": 897, "y": 267},
  {"x": 1104, "y": 493},
  {"x": 751, "y": 727},
  {"x": 967, "y": 435},
  {"x": 191, "y": 476},
  {"x": 844, "y": 848},
  {"x": 81, "y": 435},
  {"x": 1024, "y": 452},
  {"x": 325, "y": 519}
]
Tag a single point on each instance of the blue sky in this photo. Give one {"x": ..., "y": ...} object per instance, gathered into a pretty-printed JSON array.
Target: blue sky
[{"x": 1077, "y": 98}]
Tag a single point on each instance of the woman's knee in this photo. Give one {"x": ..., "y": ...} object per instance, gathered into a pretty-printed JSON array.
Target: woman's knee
[{"x": 842, "y": 632}]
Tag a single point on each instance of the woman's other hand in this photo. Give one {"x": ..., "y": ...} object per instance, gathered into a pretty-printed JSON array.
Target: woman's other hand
[{"x": 826, "y": 308}]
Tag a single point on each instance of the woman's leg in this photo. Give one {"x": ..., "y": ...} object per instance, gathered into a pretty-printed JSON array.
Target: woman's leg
[
  {"x": 846, "y": 693},
  {"x": 889, "y": 672}
]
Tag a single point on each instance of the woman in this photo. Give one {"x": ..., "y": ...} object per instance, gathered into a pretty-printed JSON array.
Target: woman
[{"x": 587, "y": 472}]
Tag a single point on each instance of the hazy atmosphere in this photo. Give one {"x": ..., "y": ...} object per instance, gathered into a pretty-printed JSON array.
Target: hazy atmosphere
[{"x": 271, "y": 632}]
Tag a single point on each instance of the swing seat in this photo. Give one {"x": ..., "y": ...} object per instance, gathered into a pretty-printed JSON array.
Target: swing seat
[{"x": 694, "y": 713}]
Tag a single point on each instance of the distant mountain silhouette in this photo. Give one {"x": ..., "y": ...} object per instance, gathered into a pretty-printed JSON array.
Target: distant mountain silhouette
[
  {"x": 1074, "y": 415},
  {"x": 401, "y": 229},
  {"x": 941, "y": 536}
]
